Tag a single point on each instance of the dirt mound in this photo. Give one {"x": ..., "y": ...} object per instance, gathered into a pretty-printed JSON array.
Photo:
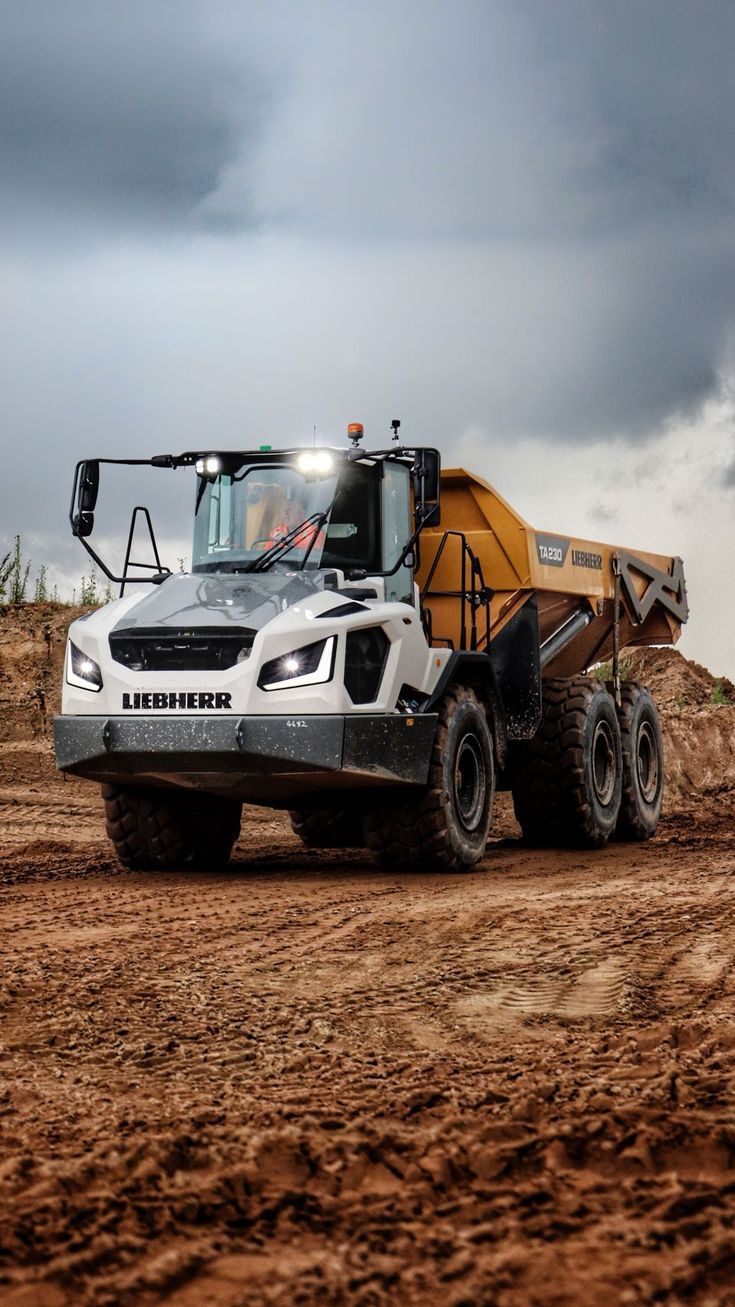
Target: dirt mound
[
  {"x": 32, "y": 643},
  {"x": 698, "y": 721},
  {"x": 699, "y": 756},
  {"x": 675, "y": 681}
]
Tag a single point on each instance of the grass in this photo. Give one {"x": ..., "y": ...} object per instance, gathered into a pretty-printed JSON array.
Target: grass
[
  {"x": 719, "y": 695},
  {"x": 604, "y": 672}
]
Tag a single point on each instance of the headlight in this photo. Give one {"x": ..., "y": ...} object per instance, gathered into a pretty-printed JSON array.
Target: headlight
[
  {"x": 312, "y": 664},
  {"x": 81, "y": 670}
]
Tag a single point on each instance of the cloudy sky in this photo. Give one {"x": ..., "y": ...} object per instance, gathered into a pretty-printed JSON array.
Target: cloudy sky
[{"x": 509, "y": 223}]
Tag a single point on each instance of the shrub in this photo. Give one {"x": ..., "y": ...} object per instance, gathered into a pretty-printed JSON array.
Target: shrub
[
  {"x": 603, "y": 671},
  {"x": 40, "y": 592},
  {"x": 14, "y": 575},
  {"x": 6, "y": 566},
  {"x": 88, "y": 593}
]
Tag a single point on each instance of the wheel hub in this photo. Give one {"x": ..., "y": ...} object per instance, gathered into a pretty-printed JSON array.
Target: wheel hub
[
  {"x": 603, "y": 763},
  {"x": 647, "y": 762},
  {"x": 470, "y": 782}
]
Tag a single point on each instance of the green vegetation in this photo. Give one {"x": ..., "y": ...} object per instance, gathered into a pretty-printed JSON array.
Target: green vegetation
[
  {"x": 88, "y": 595},
  {"x": 719, "y": 695},
  {"x": 40, "y": 592},
  {"x": 15, "y": 573},
  {"x": 5, "y": 567},
  {"x": 603, "y": 671}
]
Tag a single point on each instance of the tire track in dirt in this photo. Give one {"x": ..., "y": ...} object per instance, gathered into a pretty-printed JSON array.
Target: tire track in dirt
[{"x": 305, "y": 1079}]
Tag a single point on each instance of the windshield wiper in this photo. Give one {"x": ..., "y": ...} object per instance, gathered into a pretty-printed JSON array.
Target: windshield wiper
[{"x": 283, "y": 545}]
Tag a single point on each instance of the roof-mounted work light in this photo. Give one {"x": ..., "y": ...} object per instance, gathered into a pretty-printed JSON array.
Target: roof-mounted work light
[
  {"x": 315, "y": 462},
  {"x": 209, "y": 466}
]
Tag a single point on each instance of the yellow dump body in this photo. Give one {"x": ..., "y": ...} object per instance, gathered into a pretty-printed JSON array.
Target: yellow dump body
[{"x": 567, "y": 575}]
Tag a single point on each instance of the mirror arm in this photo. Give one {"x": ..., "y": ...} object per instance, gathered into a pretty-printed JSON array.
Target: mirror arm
[
  {"x": 96, "y": 559},
  {"x": 157, "y": 570}
]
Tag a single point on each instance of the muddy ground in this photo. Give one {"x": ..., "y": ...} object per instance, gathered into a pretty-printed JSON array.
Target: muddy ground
[{"x": 307, "y": 1081}]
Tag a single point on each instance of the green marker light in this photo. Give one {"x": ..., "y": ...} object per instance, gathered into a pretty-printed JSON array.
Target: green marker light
[{"x": 265, "y": 449}]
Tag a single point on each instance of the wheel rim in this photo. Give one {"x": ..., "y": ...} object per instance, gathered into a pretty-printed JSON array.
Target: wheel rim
[
  {"x": 646, "y": 761},
  {"x": 604, "y": 766},
  {"x": 470, "y": 782}
]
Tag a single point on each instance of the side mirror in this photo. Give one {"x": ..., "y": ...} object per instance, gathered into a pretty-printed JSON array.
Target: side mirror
[
  {"x": 88, "y": 484},
  {"x": 426, "y": 476}
]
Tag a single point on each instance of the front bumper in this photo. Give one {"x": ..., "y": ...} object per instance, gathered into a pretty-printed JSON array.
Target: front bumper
[{"x": 267, "y": 759}]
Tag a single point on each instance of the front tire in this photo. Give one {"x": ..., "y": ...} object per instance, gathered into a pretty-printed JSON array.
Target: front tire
[
  {"x": 165, "y": 830},
  {"x": 445, "y": 827}
]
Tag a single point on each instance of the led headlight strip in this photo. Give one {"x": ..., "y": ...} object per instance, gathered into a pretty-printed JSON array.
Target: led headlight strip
[
  {"x": 81, "y": 670},
  {"x": 312, "y": 664}
]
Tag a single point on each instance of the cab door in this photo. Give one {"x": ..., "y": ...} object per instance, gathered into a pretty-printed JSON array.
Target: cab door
[{"x": 396, "y": 531}]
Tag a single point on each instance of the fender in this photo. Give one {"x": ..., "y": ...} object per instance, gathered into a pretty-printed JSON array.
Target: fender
[
  {"x": 476, "y": 669},
  {"x": 515, "y": 654}
]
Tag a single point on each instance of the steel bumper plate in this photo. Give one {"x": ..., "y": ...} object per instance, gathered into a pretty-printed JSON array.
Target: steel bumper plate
[{"x": 375, "y": 747}]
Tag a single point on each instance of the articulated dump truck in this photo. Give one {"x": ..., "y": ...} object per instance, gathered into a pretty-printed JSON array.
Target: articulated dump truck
[{"x": 375, "y": 645}]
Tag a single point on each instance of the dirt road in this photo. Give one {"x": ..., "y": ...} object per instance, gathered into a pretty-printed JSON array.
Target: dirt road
[{"x": 305, "y": 1081}]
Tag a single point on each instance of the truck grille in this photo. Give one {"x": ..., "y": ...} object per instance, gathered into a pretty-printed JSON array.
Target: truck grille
[{"x": 205, "y": 649}]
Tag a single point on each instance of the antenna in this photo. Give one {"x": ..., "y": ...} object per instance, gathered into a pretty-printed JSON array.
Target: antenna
[
  {"x": 315, "y": 435},
  {"x": 395, "y": 424}
]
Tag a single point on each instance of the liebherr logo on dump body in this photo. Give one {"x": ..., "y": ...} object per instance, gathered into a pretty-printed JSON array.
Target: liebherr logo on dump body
[
  {"x": 582, "y": 558},
  {"x": 188, "y": 700}
]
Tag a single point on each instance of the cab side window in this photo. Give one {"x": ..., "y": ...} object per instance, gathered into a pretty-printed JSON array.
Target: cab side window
[{"x": 396, "y": 531}]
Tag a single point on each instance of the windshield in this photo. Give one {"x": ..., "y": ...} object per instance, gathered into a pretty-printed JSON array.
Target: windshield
[{"x": 242, "y": 519}]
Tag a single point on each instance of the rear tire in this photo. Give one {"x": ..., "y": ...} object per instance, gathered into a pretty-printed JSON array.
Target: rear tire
[
  {"x": 445, "y": 826},
  {"x": 328, "y": 828},
  {"x": 643, "y": 764},
  {"x": 567, "y": 780},
  {"x": 161, "y": 830}
]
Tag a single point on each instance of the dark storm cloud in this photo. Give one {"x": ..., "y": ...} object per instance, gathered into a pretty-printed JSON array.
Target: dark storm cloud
[
  {"x": 113, "y": 116},
  {"x": 597, "y": 140},
  {"x": 486, "y": 122},
  {"x": 503, "y": 120},
  {"x": 513, "y": 216},
  {"x": 651, "y": 87}
]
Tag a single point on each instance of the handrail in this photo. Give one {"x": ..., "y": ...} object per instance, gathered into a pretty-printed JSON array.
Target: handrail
[
  {"x": 156, "y": 567},
  {"x": 478, "y": 595}
]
